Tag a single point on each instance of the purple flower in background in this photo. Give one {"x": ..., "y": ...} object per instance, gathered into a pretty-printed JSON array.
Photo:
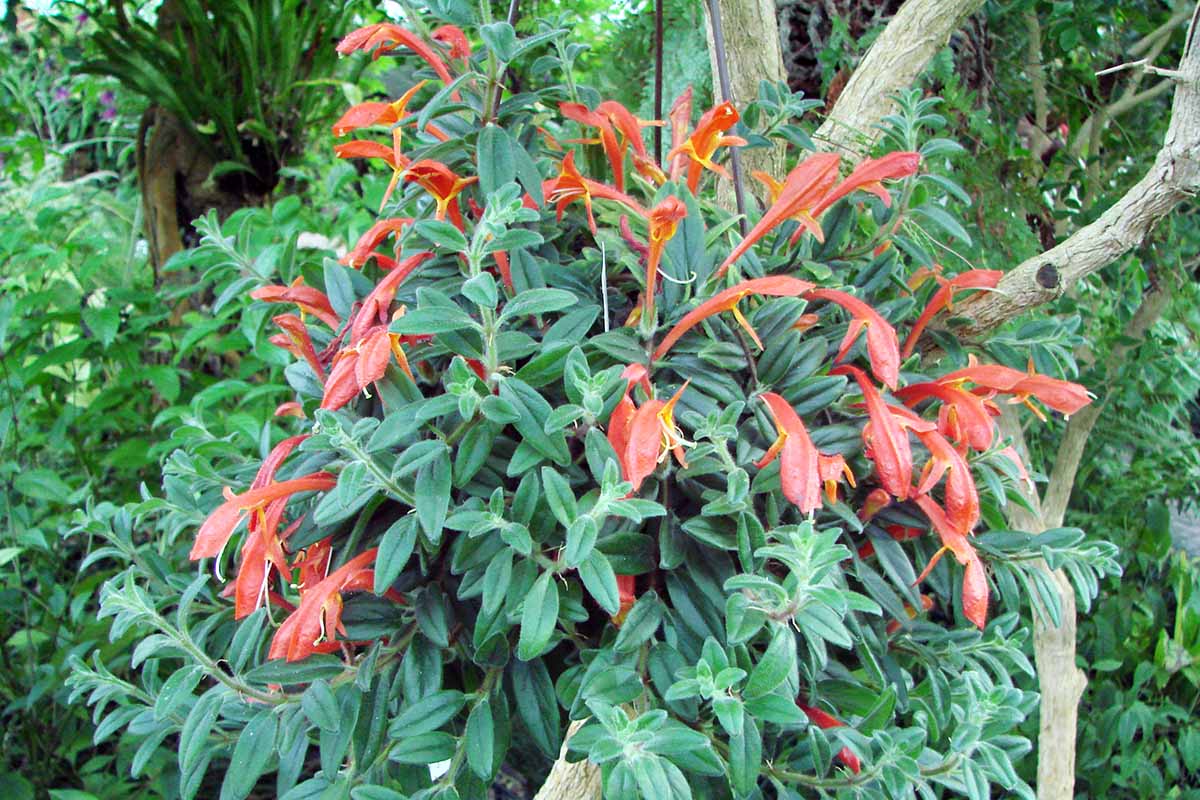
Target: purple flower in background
[
  {"x": 109, "y": 113},
  {"x": 108, "y": 99},
  {"x": 81, "y": 18},
  {"x": 62, "y": 94}
]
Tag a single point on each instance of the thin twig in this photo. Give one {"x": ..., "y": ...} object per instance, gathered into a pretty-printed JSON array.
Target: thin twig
[{"x": 658, "y": 77}]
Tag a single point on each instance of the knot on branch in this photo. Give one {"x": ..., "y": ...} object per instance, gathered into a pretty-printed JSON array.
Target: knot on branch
[{"x": 1048, "y": 277}]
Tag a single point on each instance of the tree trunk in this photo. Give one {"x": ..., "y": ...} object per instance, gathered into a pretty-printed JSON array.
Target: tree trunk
[
  {"x": 918, "y": 31},
  {"x": 752, "y": 54},
  {"x": 567, "y": 781}
]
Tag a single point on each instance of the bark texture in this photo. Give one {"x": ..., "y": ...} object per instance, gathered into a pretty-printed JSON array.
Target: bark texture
[
  {"x": 1174, "y": 177},
  {"x": 567, "y": 781},
  {"x": 1060, "y": 681},
  {"x": 752, "y": 54},
  {"x": 918, "y": 31}
]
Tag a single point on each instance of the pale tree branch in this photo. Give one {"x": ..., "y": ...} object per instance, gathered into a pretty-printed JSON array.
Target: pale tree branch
[
  {"x": 1036, "y": 71},
  {"x": 1173, "y": 178},
  {"x": 914, "y": 35}
]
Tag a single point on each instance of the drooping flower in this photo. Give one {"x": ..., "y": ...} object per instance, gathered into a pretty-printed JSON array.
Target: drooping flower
[
  {"x": 883, "y": 348},
  {"x": 438, "y": 179},
  {"x": 884, "y": 437},
  {"x": 1062, "y": 396},
  {"x": 802, "y": 469},
  {"x": 680, "y": 115},
  {"x": 370, "y": 113},
  {"x": 220, "y": 524},
  {"x": 452, "y": 35},
  {"x": 295, "y": 340},
  {"x": 314, "y": 625},
  {"x": 793, "y": 199},
  {"x": 569, "y": 186},
  {"x": 944, "y": 297},
  {"x": 309, "y": 300},
  {"x": 962, "y": 497},
  {"x": 651, "y": 434},
  {"x": 974, "y": 587},
  {"x": 706, "y": 138},
  {"x": 664, "y": 221},
  {"x": 868, "y": 175},
  {"x": 727, "y": 300},
  {"x": 825, "y": 721},
  {"x": 963, "y": 416},
  {"x": 376, "y": 305},
  {"x": 619, "y": 130},
  {"x": 384, "y": 37},
  {"x": 364, "y": 248}
]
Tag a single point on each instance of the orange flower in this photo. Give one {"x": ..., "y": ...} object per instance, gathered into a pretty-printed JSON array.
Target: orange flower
[
  {"x": 295, "y": 340},
  {"x": 964, "y": 416},
  {"x": 364, "y": 248},
  {"x": 974, "y": 586},
  {"x": 664, "y": 221},
  {"x": 309, "y": 300},
  {"x": 453, "y": 36},
  {"x": 1059, "y": 395},
  {"x": 680, "y": 115},
  {"x": 375, "y": 113},
  {"x": 944, "y": 297},
  {"x": 793, "y": 199},
  {"x": 727, "y": 300},
  {"x": 437, "y": 179},
  {"x": 883, "y": 347},
  {"x": 652, "y": 433},
  {"x": 801, "y": 468},
  {"x": 570, "y": 186},
  {"x": 313, "y": 627},
  {"x": 384, "y": 37},
  {"x": 704, "y": 141},
  {"x": 868, "y": 174},
  {"x": 884, "y": 437},
  {"x": 220, "y": 524}
]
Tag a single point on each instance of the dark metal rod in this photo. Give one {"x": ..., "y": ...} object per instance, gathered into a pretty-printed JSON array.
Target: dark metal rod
[
  {"x": 714, "y": 13},
  {"x": 658, "y": 77},
  {"x": 514, "y": 13}
]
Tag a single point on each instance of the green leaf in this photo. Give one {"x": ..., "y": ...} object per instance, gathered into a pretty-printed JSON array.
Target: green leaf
[
  {"x": 538, "y": 301},
  {"x": 427, "y": 714},
  {"x": 318, "y": 665},
  {"x": 395, "y": 548},
  {"x": 481, "y": 739},
  {"x": 320, "y": 706},
  {"x": 442, "y": 234},
  {"x": 432, "y": 320},
  {"x": 495, "y": 159},
  {"x": 42, "y": 484},
  {"x": 601, "y": 582},
  {"x": 536, "y": 704},
  {"x": 433, "y": 496},
  {"x": 745, "y": 757},
  {"x": 500, "y": 38},
  {"x": 254, "y": 749},
  {"x": 539, "y": 617},
  {"x": 640, "y": 624},
  {"x": 559, "y": 496},
  {"x": 774, "y": 666},
  {"x": 481, "y": 290},
  {"x": 426, "y": 748},
  {"x": 103, "y": 323},
  {"x": 581, "y": 540}
]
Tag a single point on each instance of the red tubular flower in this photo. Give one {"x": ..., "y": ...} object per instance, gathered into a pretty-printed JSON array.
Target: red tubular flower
[
  {"x": 652, "y": 433},
  {"x": 975, "y": 586},
  {"x": 680, "y": 116},
  {"x": 884, "y": 437},
  {"x": 963, "y": 415},
  {"x": 364, "y": 148},
  {"x": 437, "y": 179},
  {"x": 386, "y": 36},
  {"x": 270, "y": 465},
  {"x": 944, "y": 297},
  {"x": 262, "y": 554},
  {"x": 313, "y": 627},
  {"x": 793, "y": 199},
  {"x": 962, "y": 497},
  {"x": 216, "y": 530},
  {"x": 570, "y": 186},
  {"x": 826, "y": 721},
  {"x": 289, "y": 409},
  {"x": 926, "y": 604},
  {"x": 364, "y": 248},
  {"x": 375, "y": 306},
  {"x": 308, "y": 299},
  {"x": 366, "y": 114},
  {"x": 727, "y": 300},
  {"x": 453, "y": 36},
  {"x": 708, "y": 135},
  {"x": 883, "y": 348},
  {"x": 608, "y": 137},
  {"x": 358, "y": 366},
  {"x": 868, "y": 174},
  {"x": 626, "y": 587},
  {"x": 622, "y": 414},
  {"x": 664, "y": 221},
  {"x": 801, "y": 468},
  {"x": 295, "y": 340},
  {"x": 1059, "y": 395}
]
